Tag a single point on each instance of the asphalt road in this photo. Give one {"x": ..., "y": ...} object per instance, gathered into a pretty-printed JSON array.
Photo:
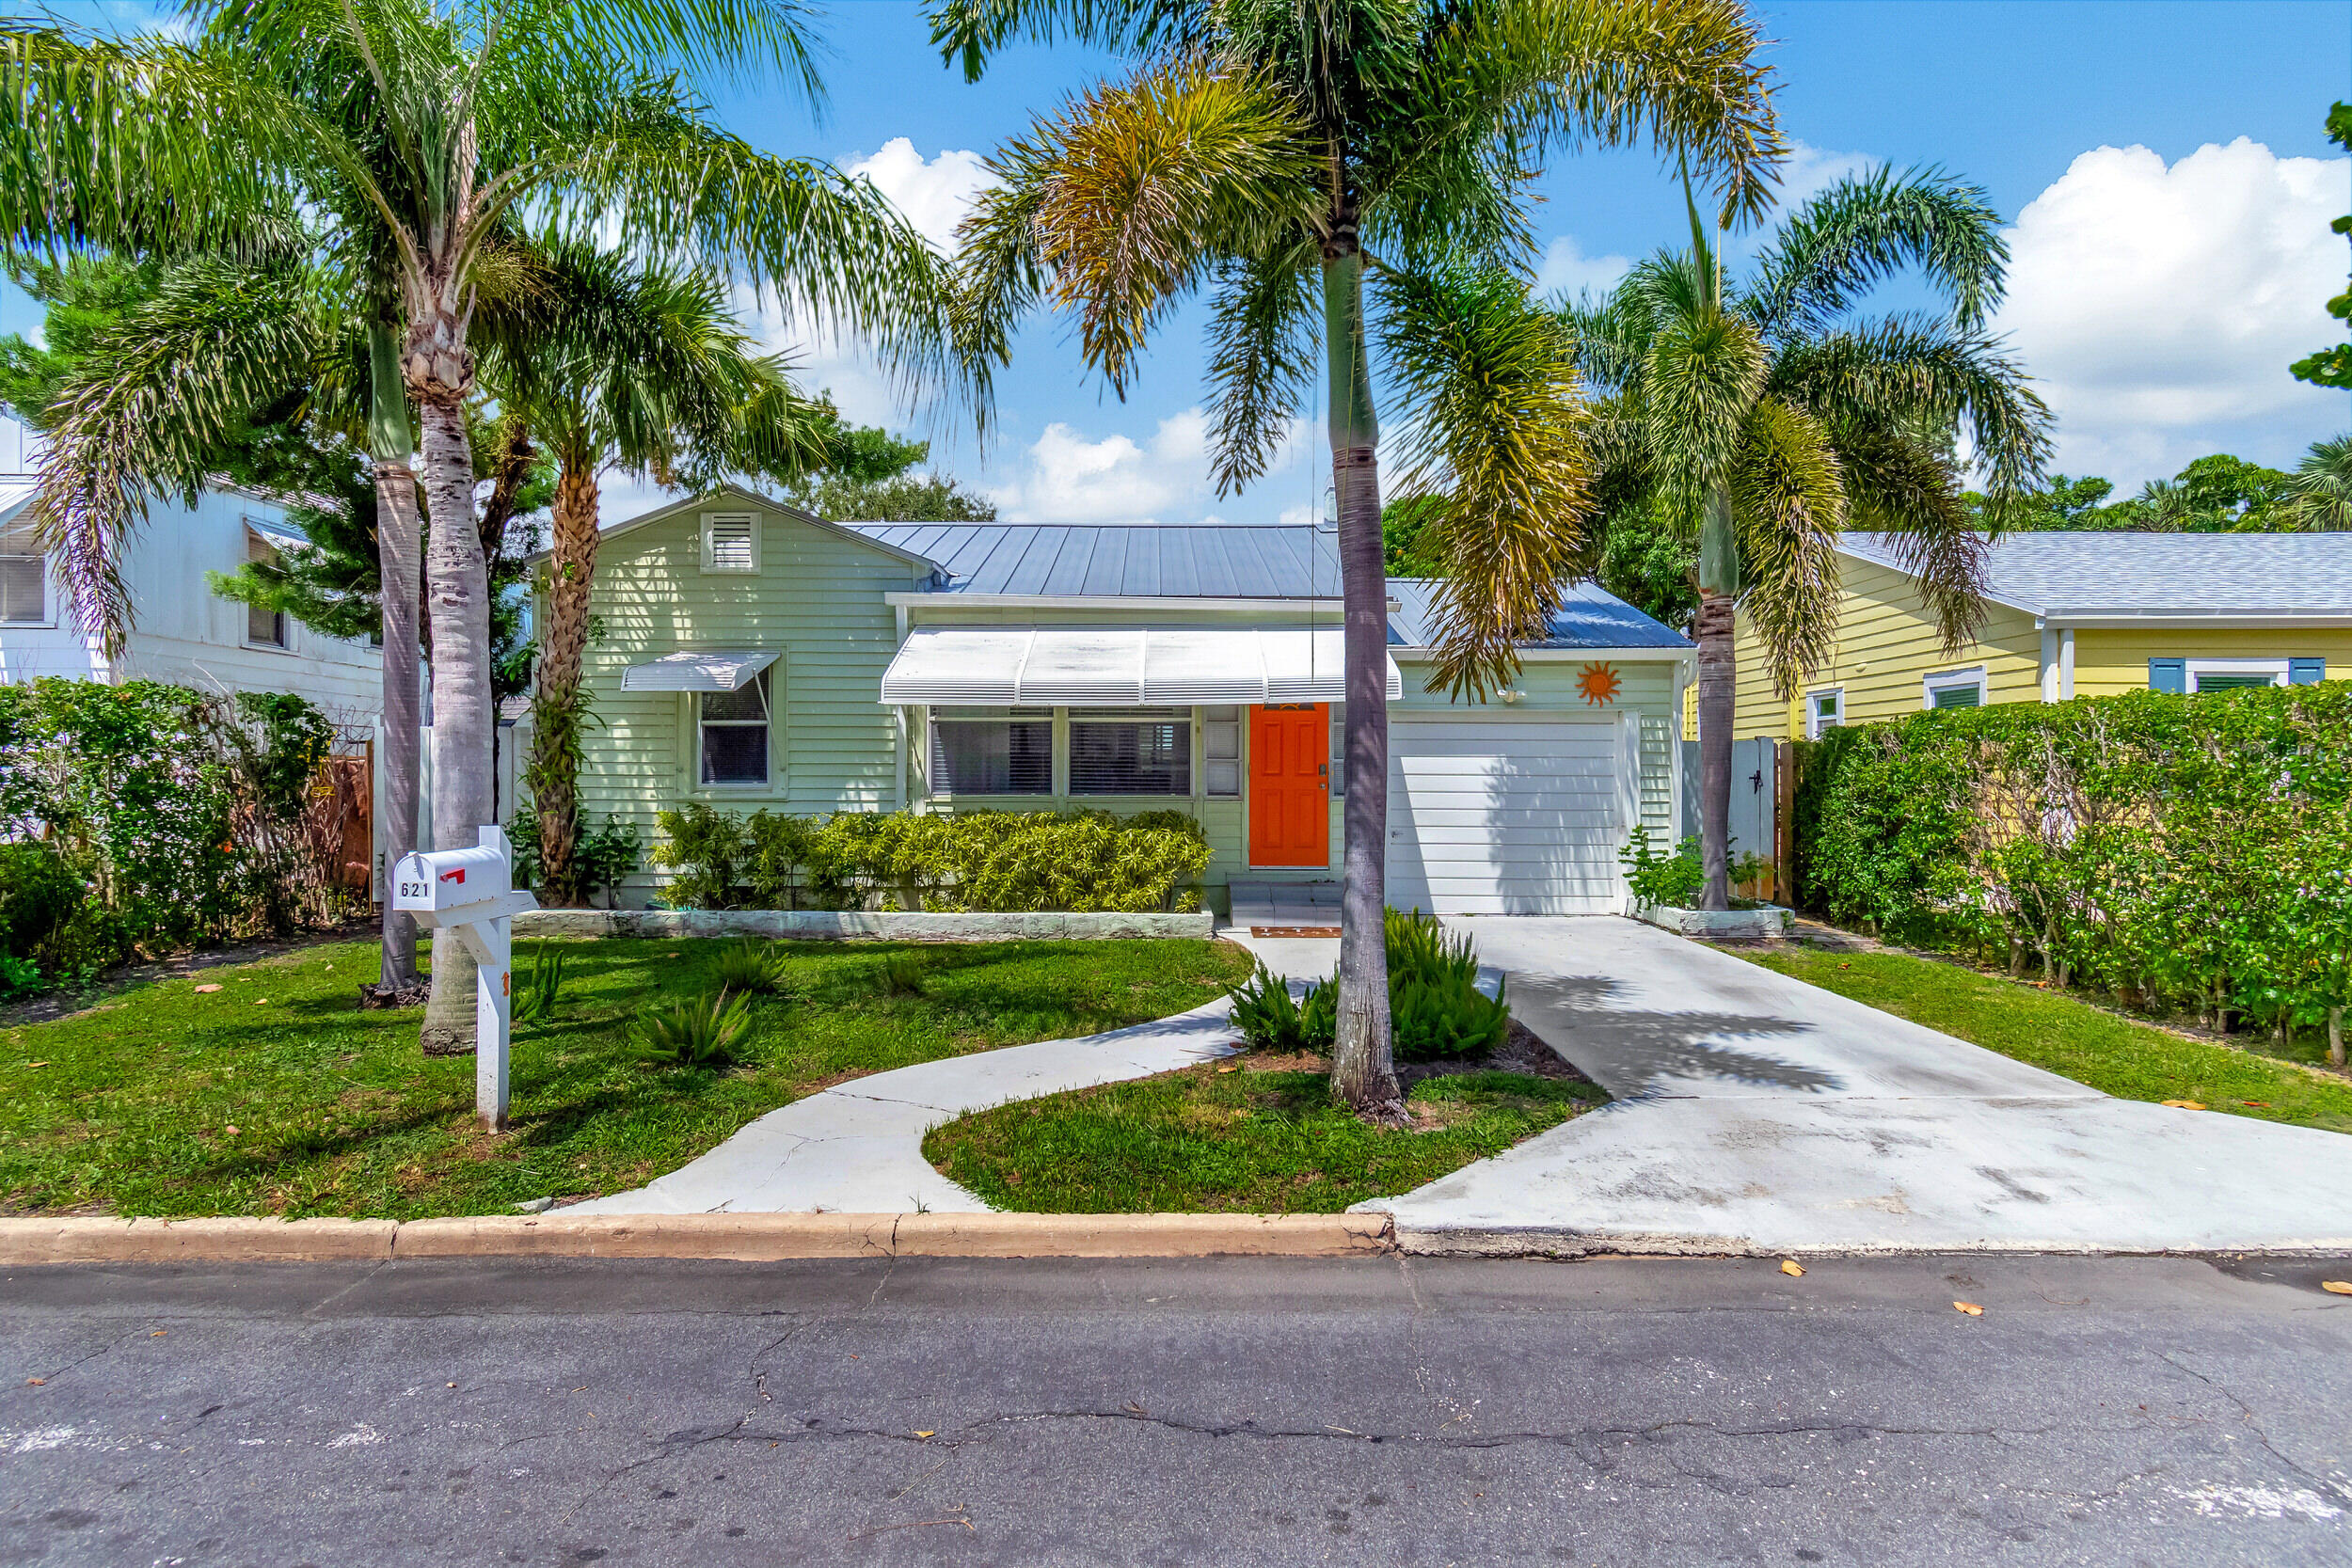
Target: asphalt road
[{"x": 1372, "y": 1411}]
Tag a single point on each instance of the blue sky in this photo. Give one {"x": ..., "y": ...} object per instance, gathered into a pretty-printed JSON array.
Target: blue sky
[{"x": 2166, "y": 159}]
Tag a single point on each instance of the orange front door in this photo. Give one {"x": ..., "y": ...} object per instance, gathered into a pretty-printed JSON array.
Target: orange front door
[{"x": 1290, "y": 789}]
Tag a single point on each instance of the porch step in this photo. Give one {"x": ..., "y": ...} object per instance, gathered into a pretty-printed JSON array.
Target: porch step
[{"x": 1285, "y": 904}]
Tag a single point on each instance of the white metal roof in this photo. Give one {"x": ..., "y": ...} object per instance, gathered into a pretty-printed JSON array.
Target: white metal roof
[
  {"x": 2126, "y": 575},
  {"x": 696, "y": 671},
  {"x": 1121, "y": 666}
]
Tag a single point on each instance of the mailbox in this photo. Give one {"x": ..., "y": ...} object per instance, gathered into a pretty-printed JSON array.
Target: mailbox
[
  {"x": 437, "y": 879},
  {"x": 470, "y": 896}
]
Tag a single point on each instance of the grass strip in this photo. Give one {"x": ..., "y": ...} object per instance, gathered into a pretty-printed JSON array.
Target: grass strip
[{"x": 2049, "y": 1030}]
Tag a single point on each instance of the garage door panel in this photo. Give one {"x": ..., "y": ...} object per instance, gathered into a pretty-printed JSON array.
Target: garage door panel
[{"x": 1506, "y": 818}]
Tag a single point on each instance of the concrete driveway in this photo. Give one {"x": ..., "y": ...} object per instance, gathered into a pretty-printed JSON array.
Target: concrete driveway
[{"x": 1759, "y": 1115}]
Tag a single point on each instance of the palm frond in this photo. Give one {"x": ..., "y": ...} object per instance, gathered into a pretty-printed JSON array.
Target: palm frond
[
  {"x": 1141, "y": 187},
  {"x": 1787, "y": 503},
  {"x": 1844, "y": 241},
  {"x": 1914, "y": 373},
  {"x": 972, "y": 30},
  {"x": 1683, "y": 75},
  {"x": 1703, "y": 373},
  {"x": 1499, "y": 435},
  {"x": 2318, "y": 495},
  {"x": 149, "y": 411},
  {"x": 1263, "y": 354},
  {"x": 1909, "y": 490}
]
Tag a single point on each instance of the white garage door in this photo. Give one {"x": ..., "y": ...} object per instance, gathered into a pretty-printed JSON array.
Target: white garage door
[{"x": 1508, "y": 818}]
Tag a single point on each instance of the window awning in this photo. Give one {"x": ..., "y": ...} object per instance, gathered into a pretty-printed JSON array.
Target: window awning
[
  {"x": 1120, "y": 666},
  {"x": 696, "y": 671}
]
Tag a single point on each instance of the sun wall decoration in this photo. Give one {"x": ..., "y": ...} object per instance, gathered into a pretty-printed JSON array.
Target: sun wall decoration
[{"x": 1598, "y": 684}]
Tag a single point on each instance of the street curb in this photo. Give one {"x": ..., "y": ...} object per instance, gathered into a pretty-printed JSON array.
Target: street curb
[{"x": 744, "y": 1238}]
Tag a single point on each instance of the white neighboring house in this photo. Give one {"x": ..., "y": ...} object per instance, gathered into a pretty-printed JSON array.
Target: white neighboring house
[{"x": 182, "y": 631}]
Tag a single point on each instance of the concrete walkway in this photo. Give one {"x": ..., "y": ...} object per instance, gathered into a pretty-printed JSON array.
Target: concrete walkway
[
  {"x": 1759, "y": 1115},
  {"x": 857, "y": 1147}
]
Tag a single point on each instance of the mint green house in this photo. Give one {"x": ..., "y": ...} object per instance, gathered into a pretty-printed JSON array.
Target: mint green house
[{"x": 749, "y": 656}]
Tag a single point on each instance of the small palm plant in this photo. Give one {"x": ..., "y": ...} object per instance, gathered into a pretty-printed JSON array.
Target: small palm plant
[
  {"x": 902, "y": 975},
  {"x": 752, "y": 965},
  {"x": 536, "y": 997},
  {"x": 704, "y": 1032}
]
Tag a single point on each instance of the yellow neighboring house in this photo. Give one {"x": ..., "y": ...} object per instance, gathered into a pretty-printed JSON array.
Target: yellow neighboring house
[{"x": 2071, "y": 615}]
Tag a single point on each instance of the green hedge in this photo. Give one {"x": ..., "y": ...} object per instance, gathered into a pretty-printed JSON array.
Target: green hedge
[
  {"x": 985, "y": 860},
  {"x": 2192, "y": 852}
]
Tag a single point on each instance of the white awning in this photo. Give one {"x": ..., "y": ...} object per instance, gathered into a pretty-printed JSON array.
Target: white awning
[
  {"x": 1121, "y": 666},
  {"x": 698, "y": 672}
]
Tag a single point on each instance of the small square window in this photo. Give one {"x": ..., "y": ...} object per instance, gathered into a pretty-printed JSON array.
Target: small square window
[{"x": 1824, "y": 710}]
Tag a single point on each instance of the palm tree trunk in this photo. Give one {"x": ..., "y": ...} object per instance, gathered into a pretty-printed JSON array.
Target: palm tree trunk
[
  {"x": 556, "y": 713},
  {"x": 1364, "y": 1073},
  {"x": 457, "y": 583},
  {"x": 391, "y": 439},
  {"x": 1718, "y": 672}
]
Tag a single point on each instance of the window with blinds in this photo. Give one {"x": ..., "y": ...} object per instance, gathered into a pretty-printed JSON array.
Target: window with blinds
[
  {"x": 730, "y": 542},
  {"x": 1130, "y": 752},
  {"x": 23, "y": 579},
  {"x": 992, "y": 751}
]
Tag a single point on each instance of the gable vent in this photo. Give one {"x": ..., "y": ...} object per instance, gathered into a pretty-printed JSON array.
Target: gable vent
[{"x": 730, "y": 544}]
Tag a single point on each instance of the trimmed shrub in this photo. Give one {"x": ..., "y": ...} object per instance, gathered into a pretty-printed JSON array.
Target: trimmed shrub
[
  {"x": 993, "y": 860},
  {"x": 2190, "y": 852}
]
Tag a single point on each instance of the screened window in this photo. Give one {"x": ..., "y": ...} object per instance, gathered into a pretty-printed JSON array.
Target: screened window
[
  {"x": 1824, "y": 710},
  {"x": 1339, "y": 750},
  {"x": 1955, "y": 689},
  {"x": 734, "y": 726},
  {"x": 1139, "y": 752},
  {"x": 264, "y": 628},
  {"x": 1220, "y": 749},
  {"x": 992, "y": 751},
  {"x": 24, "y": 581}
]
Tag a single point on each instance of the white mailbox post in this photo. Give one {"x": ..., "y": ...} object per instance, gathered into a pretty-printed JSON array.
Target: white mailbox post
[{"x": 470, "y": 894}]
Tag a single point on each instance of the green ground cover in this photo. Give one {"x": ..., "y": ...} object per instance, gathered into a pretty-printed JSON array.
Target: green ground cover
[
  {"x": 2050, "y": 1030},
  {"x": 1254, "y": 1137},
  {"x": 276, "y": 1095}
]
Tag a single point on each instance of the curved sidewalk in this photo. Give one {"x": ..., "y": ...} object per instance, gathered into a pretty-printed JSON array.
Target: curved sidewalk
[{"x": 858, "y": 1148}]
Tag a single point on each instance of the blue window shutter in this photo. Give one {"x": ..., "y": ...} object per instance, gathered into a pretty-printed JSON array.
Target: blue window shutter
[
  {"x": 2306, "y": 672},
  {"x": 2168, "y": 674}
]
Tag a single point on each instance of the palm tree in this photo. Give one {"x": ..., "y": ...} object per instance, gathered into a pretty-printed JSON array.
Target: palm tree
[
  {"x": 1765, "y": 418},
  {"x": 2318, "y": 496},
  {"x": 1265, "y": 147},
  {"x": 425, "y": 123},
  {"x": 615, "y": 363}
]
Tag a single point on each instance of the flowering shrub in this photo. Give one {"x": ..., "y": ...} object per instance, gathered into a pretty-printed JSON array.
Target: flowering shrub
[
  {"x": 179, "y": 816},
  {"x": 997, "y": 861},
  {"x": 2193, "y": 852}
]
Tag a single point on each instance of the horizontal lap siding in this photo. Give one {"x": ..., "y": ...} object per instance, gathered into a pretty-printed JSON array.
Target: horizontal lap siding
[
  {"x": 2112, "y": 660},
  {"x": 1885, "y": 643},
  {"x": 816, "y": 599}
]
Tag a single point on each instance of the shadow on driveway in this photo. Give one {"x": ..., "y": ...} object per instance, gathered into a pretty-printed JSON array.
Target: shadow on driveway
[{"x": 1636, "y": 1052}]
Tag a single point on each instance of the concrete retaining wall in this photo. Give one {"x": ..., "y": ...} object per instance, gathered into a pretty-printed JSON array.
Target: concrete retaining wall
[
  {"x": 836, "y": 925},
  {"x": 1734, "y": 924}
]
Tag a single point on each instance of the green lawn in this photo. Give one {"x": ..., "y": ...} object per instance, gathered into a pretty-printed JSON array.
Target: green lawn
[
  {"x": 1235, "y": 1137},
  {"x": 276, "y": 1095},
  {"x": 2116, "y": 1055}
]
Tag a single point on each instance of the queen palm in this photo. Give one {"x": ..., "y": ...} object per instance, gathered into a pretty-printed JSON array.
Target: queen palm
[
  {"x": 1275, "y": 149},
  {"x": 1762, "y": 419},
  {"x": 618, "y": 364},
  {"x": 429, "y": 121}
]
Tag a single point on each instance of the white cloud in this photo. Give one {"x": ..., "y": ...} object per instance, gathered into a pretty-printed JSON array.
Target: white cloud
[
  {"x": 2158, "y": 308},
  {"x": 1068, "y": 479},
  {"x": 1565, "y": 269},
  {"x": 1810, "y": 170},
  {"x": 933, "y": 193}
]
